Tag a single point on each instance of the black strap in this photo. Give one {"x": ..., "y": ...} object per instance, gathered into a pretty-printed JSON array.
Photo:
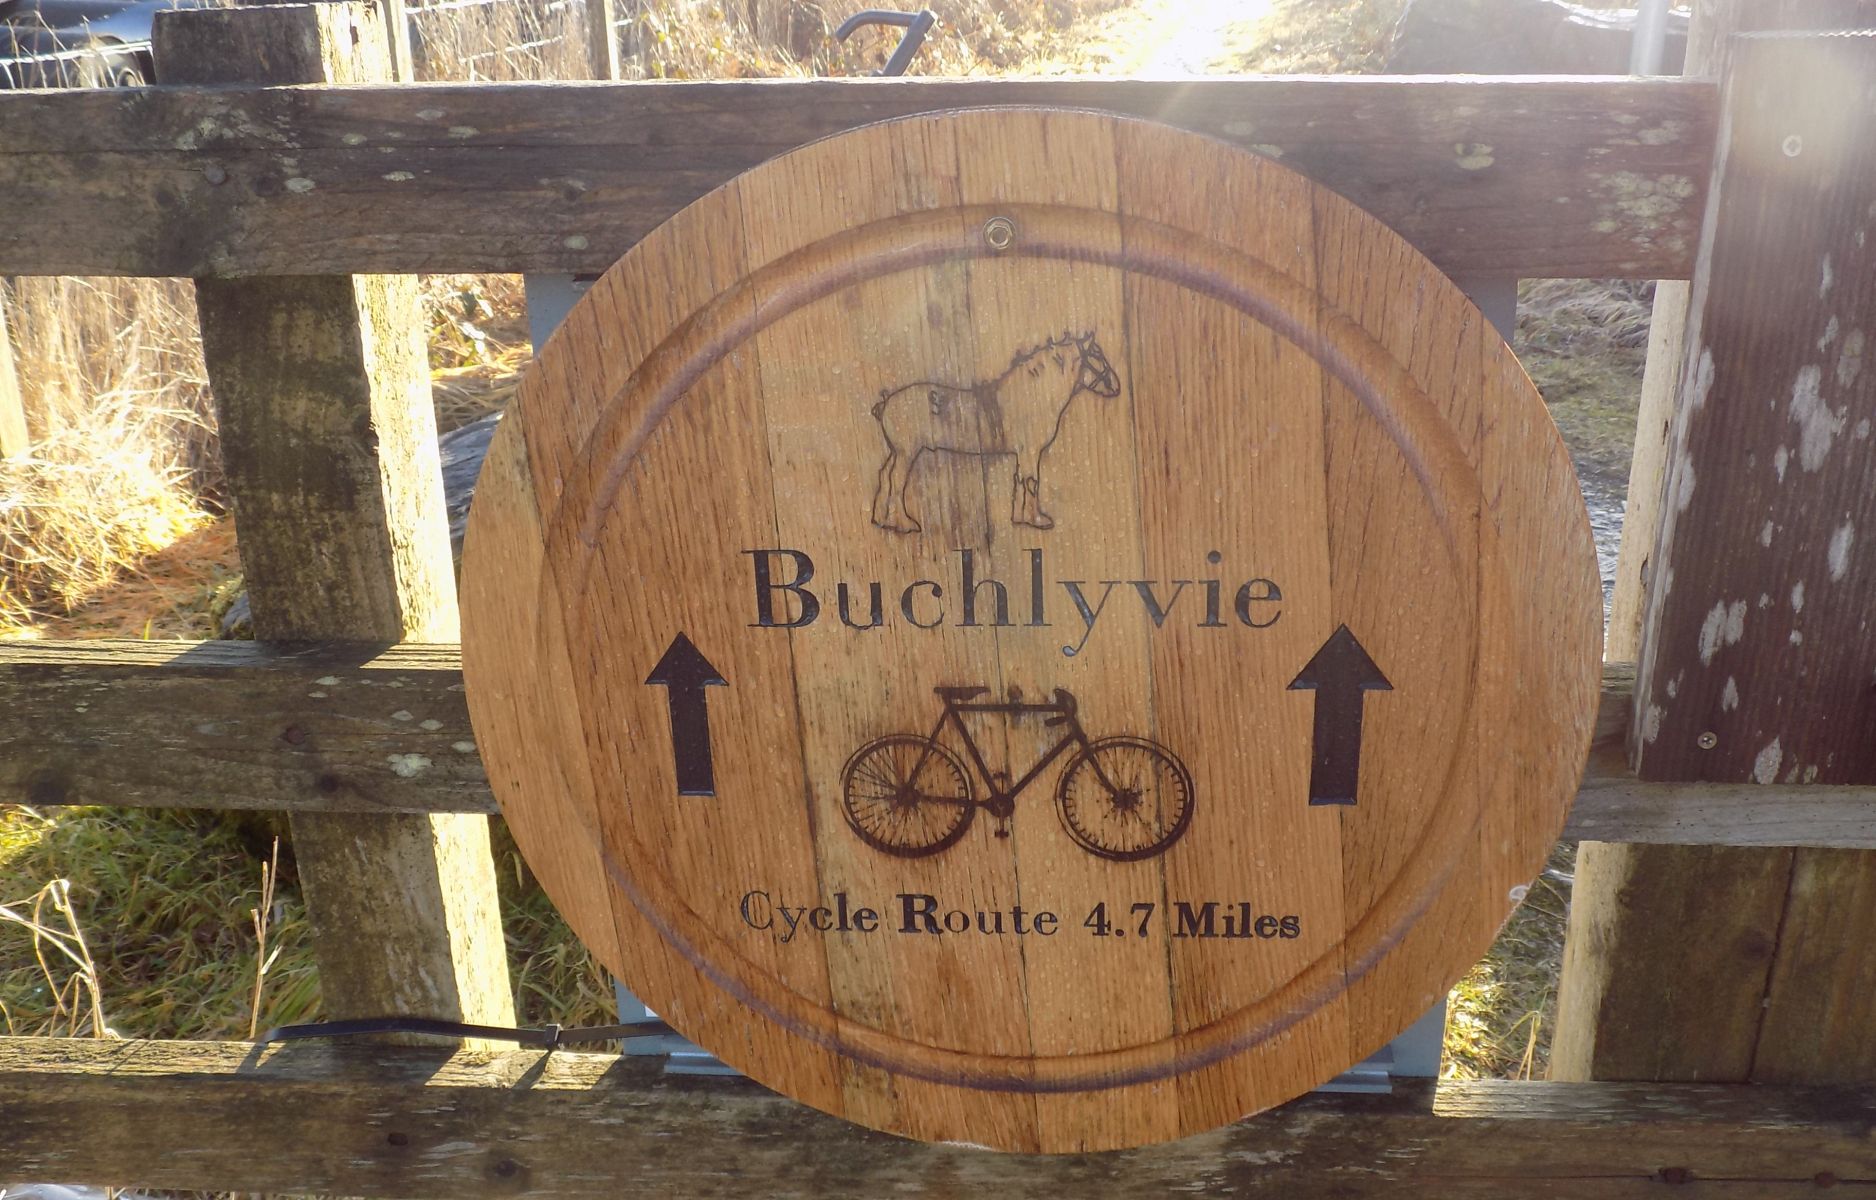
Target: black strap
[{"x": 550, "y": 1037}]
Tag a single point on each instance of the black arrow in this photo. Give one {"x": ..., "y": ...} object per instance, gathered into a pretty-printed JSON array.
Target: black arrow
[
  {"x": 685, "y": 673},
  {"x": 1339, "y": 673}
]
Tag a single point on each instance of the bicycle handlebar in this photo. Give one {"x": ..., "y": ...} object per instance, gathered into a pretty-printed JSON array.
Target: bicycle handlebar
[
  {"x": 1062, "y": 704},
  {"x": 1065, "y": 704}
]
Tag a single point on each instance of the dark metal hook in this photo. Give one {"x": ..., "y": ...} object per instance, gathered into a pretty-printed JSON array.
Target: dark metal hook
[{"x": 916, "y": 26}]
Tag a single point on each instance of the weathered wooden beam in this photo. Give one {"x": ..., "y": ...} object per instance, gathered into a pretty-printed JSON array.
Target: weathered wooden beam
[
  {"x": 361, "y": 728},
  {"x": 1512, "y": 177},
  {"x": 375, "y": 1121},
  {"x": 328, "y": 435},
  {"x": 1757, "y": 661},
  {"x": 238, "y": 725}
]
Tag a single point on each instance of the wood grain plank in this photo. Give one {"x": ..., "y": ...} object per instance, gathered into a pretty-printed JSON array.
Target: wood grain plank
[
  {"x": 579, "y": 850},
  {"x": 1176, "y": 366},
  {"x": 1510, "y": 176},
  {"x": 1095, "y": 518},
  {"x": 371, "y": 1121}
]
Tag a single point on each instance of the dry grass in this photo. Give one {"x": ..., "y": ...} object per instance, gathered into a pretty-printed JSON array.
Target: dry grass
[
  {"x": 176, "y": 902},
  {"x": 123, "y": 446},
  {"x": 1584, "y": 342},
  {"x": 478, "y": 344},
  {"x": 734, "y": 39},
  {"x": 1499, "y": 1017},
  {"x": 160, "y": 896},
  {"x": 68, "y": 972},
  {"x": 1316, "y": 37},
  {"x": 498, "y": 40}
]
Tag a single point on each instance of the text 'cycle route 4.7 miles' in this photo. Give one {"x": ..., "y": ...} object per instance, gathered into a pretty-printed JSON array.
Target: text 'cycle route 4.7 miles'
[{"x": 997, "y": 613}]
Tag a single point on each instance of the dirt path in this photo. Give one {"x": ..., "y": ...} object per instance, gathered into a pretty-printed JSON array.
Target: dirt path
[{"x": 1160, "y": 39}]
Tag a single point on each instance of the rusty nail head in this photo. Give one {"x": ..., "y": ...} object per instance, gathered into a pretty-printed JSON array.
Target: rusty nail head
[
  {"x": 293, "y": 735},
  {"x": 1000, "y": 232},
  {"x": 1707, "y": 740}
]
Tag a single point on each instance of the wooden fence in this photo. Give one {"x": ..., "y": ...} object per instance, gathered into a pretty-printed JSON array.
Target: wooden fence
[{"x": 302, "y": 209}]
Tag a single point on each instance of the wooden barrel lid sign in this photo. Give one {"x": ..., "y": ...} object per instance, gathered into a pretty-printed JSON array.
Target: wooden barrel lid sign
[{"x": 1031, "y": 628}]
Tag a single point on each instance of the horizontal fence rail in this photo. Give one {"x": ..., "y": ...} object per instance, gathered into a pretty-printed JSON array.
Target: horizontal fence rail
[
  {"x": 356, "y": 728},
  {"x": 1510, "y": 177},
  {"x": 356, "y": 1120}
]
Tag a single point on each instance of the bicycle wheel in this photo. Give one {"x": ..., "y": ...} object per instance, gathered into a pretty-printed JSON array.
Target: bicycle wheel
[
  {"x": 906, "y": 795},
  {"x": 1125, "y": 798}
]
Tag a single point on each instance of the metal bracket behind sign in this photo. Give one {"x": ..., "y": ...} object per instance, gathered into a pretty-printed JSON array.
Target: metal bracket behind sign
[{"x": 1415, "y": 1054}]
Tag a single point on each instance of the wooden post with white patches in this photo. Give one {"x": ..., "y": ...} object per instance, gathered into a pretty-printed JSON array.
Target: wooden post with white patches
[
  {"x": 329, "y": 443},
  {"x": 1713, "y": 23},
  {"x": 1757, "y": 661}
]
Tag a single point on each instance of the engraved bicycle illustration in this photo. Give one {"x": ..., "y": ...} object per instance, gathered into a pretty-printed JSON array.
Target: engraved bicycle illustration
[{"x": 1121, "y": 797}]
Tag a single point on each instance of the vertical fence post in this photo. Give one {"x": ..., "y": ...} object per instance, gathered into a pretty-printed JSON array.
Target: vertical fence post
[
  {"x": 602, "y": 38},
  {"x": 1651, "y": 35},
  {"x": 1756, "y": 660},
  {"x": 397, "y": 32},
  {"x": 329, "y": 443},
  {"x": 13, "y": 436}
]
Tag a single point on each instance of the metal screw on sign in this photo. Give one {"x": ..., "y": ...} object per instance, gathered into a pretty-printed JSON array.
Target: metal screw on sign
[
  {"x": 1707, "y": 741},
  {"x": 1000, "y": 232},
  {"x": 916, "y": 26}
]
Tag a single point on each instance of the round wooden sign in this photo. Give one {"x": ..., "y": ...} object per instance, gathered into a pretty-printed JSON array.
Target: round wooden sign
[{"x": 1031, "y": 628}]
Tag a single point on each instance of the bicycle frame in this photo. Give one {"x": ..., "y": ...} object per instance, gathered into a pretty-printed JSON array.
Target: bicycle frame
[{"x": 1002, "y": 801}]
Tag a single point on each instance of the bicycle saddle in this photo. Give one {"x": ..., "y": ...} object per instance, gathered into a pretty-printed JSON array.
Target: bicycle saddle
[{"x": 958, "y": 695}]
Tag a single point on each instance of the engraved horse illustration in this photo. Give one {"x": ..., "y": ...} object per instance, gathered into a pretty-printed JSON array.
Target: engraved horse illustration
[{"x": 1017, "y": 413}]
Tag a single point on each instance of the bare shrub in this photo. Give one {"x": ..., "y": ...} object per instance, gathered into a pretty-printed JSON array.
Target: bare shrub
[
  {"x": 498, "y": 40},
  {"x": 738, "y": 39},
  {"x": 123, "y": 445}
]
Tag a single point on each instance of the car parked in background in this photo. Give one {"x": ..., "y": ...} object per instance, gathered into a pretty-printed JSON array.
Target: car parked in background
[{"x": 79, "y": 43}]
